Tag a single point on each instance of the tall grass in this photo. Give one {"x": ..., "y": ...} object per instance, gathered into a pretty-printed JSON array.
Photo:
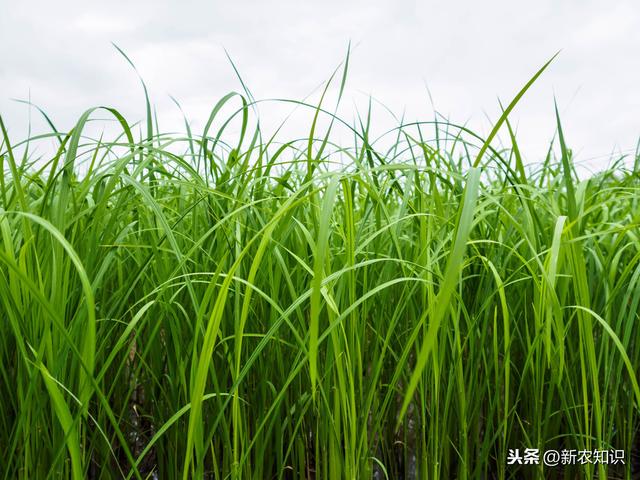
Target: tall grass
[{"x": 225, "y": 305}]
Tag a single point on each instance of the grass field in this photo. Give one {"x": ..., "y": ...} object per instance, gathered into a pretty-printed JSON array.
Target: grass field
[{"x": 228, "y": 305}]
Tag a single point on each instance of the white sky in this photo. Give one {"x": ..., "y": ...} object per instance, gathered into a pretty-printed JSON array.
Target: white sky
[{"x": 468, "y": 53}]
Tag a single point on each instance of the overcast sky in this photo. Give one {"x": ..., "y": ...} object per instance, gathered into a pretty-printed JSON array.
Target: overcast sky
[{"x": 468, "y": 54}]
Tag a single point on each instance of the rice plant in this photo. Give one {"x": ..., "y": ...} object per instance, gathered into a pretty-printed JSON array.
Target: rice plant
[{"x": 228, "y": 305}]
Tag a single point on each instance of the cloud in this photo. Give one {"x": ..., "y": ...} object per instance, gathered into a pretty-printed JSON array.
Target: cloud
[{"x": 468, "y": 53}]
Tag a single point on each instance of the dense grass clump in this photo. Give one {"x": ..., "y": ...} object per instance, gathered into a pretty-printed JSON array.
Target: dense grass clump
[{"x": 226, "y": 306}]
